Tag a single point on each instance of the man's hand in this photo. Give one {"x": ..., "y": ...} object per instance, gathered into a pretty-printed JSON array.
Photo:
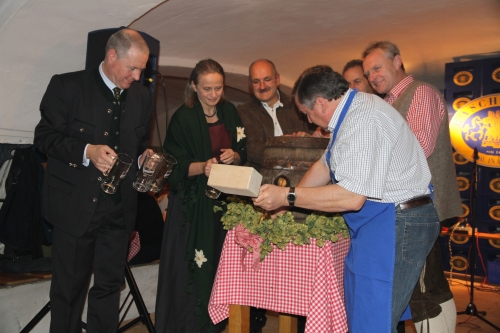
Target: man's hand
[
  {"x": 320, "y": 133},
  {"x": 301, "y": 134},
  {"x": 271, "y": 197},
  {"x": 101, "y": 156},
  {"x": 143, "y": 155}
]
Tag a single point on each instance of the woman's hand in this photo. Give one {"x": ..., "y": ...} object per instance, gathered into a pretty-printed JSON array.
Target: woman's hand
[
  {"x": 208, "y": 166},
  {"x": 228, "y": 156}
]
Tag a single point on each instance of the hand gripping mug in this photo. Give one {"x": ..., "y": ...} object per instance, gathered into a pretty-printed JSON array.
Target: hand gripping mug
[
  {"x": 162, "y": 172},
  {"x": 146, "y": 171},
  {"x": 117, "y": 172}
]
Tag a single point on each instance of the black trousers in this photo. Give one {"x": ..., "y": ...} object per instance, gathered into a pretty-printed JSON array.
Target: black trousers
[{"x": 103, "y": 247}]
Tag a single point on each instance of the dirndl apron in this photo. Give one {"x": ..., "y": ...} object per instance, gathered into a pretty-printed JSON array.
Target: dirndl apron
[{"x": 369, "y": 264}]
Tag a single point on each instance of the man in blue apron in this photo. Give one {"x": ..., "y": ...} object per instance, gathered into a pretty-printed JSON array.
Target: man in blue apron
[{"x": 381, "y": 184}]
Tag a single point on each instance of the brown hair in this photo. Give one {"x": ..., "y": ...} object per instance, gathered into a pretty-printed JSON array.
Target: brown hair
[{"x": 203, "y": 67}]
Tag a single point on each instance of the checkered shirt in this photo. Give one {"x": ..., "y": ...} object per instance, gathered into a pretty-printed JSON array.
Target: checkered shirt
[
  {"x": 134, "y": 245},
  {"x": 302, "y": 280},
  {"x": 424, "y": 115},
  {"x": 376, "y": 154}
]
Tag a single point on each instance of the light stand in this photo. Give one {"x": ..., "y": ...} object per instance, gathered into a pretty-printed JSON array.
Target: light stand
[
  {"x": 471, "y": 307},
  {"x": 144, "y": 316}
]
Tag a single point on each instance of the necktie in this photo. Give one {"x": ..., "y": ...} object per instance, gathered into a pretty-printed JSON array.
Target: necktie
[{"x": 116, "y": 92}]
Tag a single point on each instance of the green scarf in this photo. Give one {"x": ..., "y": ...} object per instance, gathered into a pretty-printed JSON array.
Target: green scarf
[{"x": 188, "y": 140}]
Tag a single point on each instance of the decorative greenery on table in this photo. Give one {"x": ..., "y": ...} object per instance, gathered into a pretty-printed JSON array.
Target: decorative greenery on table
[{"x": 283, "y": 229}]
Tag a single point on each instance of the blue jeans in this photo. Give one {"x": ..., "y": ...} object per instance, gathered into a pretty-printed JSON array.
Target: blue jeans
[{"x": 416, "y": 231}]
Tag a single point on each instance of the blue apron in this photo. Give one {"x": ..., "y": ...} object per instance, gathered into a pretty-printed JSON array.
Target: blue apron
[{"x": 369, "y": 264}]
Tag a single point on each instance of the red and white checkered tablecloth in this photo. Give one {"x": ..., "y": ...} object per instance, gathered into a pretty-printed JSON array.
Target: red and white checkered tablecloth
[{"x": 302, "y": 280}]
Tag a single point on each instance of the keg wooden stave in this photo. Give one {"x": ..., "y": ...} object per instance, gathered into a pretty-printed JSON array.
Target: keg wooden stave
[{"x": 290, "y": 157}]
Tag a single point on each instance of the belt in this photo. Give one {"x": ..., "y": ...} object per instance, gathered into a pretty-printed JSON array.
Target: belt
[{"x": 415, "y": 202}]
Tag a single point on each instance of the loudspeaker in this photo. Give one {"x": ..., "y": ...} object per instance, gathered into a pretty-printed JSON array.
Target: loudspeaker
[{"x": 96, "y": 43}]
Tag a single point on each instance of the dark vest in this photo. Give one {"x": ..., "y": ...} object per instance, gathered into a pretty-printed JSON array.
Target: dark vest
[{"x": 444, "y": 178}]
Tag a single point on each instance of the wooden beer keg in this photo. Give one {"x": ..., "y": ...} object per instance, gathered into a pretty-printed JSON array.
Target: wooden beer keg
[{"x": 287, "y": 158}]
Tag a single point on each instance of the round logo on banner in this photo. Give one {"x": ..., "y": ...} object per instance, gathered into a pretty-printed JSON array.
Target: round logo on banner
[
  {"x": 465, "y": 210},
  {"x": 459, "y": 102},
  {"x": 494, "y": 213},
  {"x": 459, "y": 263},
  {"x": 495, "y": 185},
  {"x": 477, "y": 125},
  {"x": 459, "y": 159},
  {"x": 459, "y": 239},
  {"x": 495, "y": 243},
  {"x": 463, "y": 78},
  {"x": 463, "y": 183},
  {"x": 496, "y": 75}
]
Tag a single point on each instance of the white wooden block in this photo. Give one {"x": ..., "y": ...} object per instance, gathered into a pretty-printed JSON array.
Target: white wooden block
[{"x": 232, "y": 179}]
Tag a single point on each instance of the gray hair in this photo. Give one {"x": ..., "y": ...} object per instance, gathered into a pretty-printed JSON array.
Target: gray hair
[
  {"x": 122, "y": 40},
  {"x": 319, "y": 81},
  {"x": 390, "y": 49}
]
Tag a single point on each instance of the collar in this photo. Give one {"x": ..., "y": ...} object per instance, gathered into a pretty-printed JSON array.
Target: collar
[
  {"x": 336, "y": 114},
  {"x": 276, "y": 105},
  {"x": 398, "y": 89},
  {"x": 107, "y": 81}
]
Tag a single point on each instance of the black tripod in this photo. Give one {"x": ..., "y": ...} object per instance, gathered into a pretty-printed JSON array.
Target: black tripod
[
  {"x": 136, "y": 297},
  {"x": 471, "y": 307}
]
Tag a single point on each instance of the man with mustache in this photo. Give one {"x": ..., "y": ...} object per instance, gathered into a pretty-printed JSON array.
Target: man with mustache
[
  {"x": 423, "y": 107},
  {"x": 270, "y": 112}
]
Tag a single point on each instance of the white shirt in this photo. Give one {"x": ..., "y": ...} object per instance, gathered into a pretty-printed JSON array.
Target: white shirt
[
  {"x": 272, "y": 112},
  {"x": 376, "y": 154}
]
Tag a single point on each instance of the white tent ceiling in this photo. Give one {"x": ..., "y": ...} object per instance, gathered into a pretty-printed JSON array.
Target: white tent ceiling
[{"x": 42, "y": 38}]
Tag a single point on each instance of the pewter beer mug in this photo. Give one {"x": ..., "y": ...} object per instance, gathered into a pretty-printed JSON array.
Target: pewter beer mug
[
  {"x": 162, "y": 172},
  {"x": 117, "y": 172},
  {"x": 145, "y": 173}
]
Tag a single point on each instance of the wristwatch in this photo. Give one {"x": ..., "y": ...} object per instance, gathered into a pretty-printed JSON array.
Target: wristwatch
[{"x": 291, "y": 197}]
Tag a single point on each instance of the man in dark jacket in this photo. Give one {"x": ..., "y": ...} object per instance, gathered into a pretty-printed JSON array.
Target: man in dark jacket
[{"x": 88, "y": 117}]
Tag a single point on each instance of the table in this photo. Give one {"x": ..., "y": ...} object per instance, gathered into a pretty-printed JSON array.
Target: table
[{"x": 301, "y": 280}]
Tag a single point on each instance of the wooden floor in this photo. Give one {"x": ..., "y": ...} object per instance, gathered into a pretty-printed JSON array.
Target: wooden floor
[{"x": 486, "y": 298}]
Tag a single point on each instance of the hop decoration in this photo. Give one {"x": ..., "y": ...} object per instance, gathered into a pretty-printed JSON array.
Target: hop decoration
[{"x": 283, "y": 229}]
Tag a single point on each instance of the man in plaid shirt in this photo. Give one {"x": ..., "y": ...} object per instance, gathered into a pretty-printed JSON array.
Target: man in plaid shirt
[
  {"x": 423, "y": 107},
  {"x": 380, "y": 183}
]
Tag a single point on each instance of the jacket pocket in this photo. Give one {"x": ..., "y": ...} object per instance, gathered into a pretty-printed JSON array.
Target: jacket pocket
[
  {"x": 60, "y": 184},
  {"x": 82, "y": 127}
]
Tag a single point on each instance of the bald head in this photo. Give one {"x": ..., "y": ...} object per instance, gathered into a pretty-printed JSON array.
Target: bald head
[{"x": 264, "y": 81}]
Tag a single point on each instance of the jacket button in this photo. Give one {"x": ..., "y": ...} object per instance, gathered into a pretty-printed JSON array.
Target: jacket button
[
  {"x": 105, "y": 133},
  {"x": 116, "y": 147},
  {"x": 82, "y": 129},
  {"x": 94, "y": 200},
  {"x": 109, "y": 111},
  {"x": 99, "y": 179}
]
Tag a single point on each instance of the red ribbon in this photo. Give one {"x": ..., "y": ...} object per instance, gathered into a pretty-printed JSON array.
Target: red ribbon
[{"x": 246, "y": 239}]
